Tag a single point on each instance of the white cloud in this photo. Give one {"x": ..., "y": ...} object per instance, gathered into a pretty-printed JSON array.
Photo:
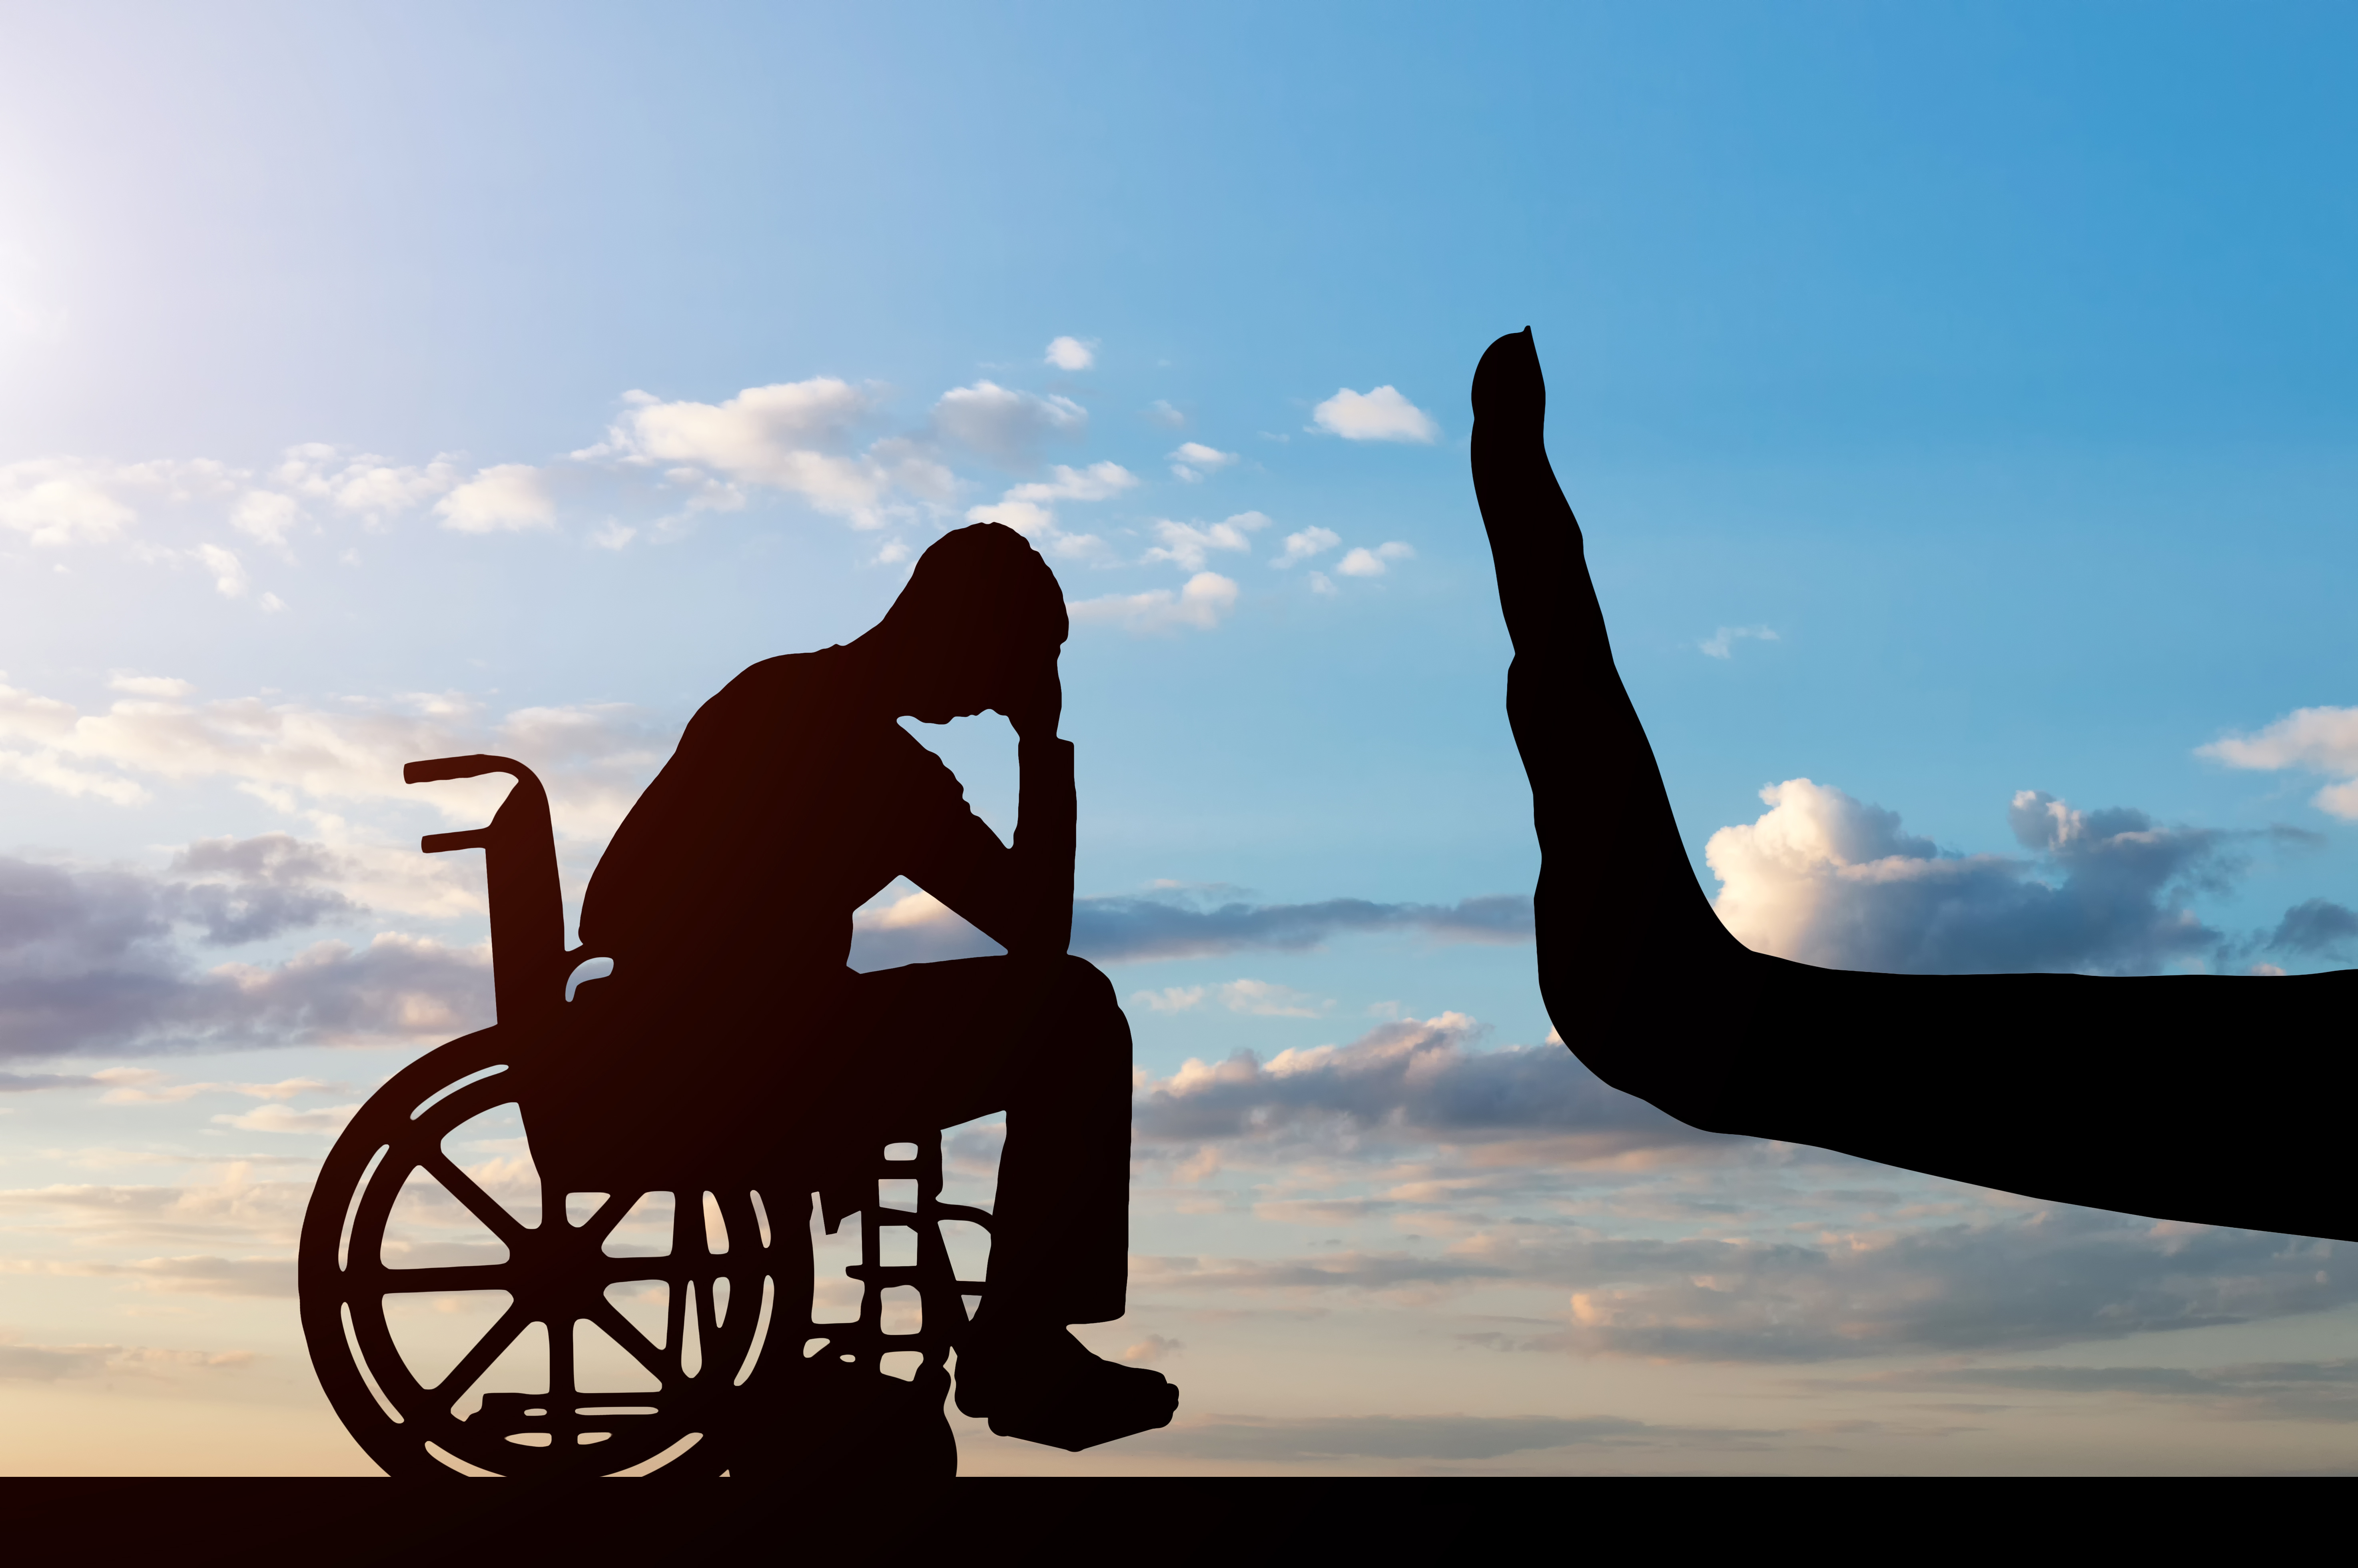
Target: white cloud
[
  {"x": 913, "y": 469},
  {"x": 361, "y": 482},
  {"x": 594, "y": 758},
  {"x": 791, "y": 436},
  {"x": 60, "y": 501},
  {"x": 229, "y": 575},
  {"x": 1309, "y": 542},
  {"x": 1829, "y": 880},
  {"x": 1082, "y": 548},
  {"x": 323, "y": 1123},
  {"x": 1721, "y": 643},
  {"x": 1321, "y": 583},
  {"x": 2319, "y": 740},
  {"x": 266, "y": 515},
  {"x": 1373, "y": 563},
  {"x": 1424, "y": 1074},
  {"x": 611, "y": 536},
  {"x": 1193, "y": 459},
  {"x": 761, "y": 434},
  {"x": 1027, "y": 518},
  {"x": 1025, "y": 508},
  {"x": 1206, "y": 598},
  {"x": 1003, "y": 423},
  {"x": 1098, "y": 481},
  {"x": 64, "y": 511},
  {"x": 505, "y": 497},
  {"x": 1263, "y": 998},
  {"x": 1184, "y": 545},
  {"x": 1382, "y": 415},
  {"x": 1160, "y": 412},
  {"x": 1071, "y": 354}
]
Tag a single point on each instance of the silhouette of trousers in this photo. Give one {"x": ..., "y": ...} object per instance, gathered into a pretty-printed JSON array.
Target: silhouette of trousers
[
  {"x": 819, "y": 1085},
  {"x": 1044, "y": 1041}
]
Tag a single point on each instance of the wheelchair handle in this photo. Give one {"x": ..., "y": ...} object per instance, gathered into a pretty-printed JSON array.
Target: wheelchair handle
[
  {"x": 528, "y": 966},
  {"x": 475, "y": 765}
]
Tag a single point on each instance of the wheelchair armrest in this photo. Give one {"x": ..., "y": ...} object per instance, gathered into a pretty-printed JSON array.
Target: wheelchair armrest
[{"x": 441, "y": 843}]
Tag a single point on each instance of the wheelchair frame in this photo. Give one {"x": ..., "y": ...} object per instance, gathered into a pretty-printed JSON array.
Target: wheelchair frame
[{"x": 728, "y": 1368}]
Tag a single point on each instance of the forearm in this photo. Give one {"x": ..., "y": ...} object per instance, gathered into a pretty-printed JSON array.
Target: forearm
[
  {"x": 1597, "y": 795},
  {"x": 1047, "y": 810}
]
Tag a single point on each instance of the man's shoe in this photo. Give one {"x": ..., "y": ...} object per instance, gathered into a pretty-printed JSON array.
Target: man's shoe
[{"x": 1047, "y": 1387}]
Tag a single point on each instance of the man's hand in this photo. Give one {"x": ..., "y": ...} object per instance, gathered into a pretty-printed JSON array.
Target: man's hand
[{"x": 1035, "y": 704}]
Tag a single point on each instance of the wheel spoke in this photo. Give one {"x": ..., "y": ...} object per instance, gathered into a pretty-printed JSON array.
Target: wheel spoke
[
  {"x": 675, "y": 1316},
  {"x": 485, "y": 1207},
  {"x": 498, "y": 1337},
  {"x": 595, "y": 1229},
  {"x": 625, "y": 1332},
  {"x": 383, "y": 1282},
  {"x": 516, "y": 1275}
]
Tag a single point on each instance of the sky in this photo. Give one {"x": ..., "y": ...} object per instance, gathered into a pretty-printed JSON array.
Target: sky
[{"x": 1957, "y": 400}]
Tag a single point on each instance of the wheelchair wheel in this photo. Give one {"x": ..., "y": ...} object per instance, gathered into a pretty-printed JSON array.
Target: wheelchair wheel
[{"x": 725, "y": 1285}]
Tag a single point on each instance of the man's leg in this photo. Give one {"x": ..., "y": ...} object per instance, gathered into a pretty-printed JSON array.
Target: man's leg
[{"x": 1047, "y": 1043}]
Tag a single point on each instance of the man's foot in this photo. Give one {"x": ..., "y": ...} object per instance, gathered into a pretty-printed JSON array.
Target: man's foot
[{"x": 1044, "y": 1385}]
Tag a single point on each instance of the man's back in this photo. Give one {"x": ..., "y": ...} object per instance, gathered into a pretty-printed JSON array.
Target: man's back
[{"x": 788, "y": 804}]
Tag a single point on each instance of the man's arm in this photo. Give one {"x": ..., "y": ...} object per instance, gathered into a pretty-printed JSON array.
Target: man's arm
[
  {"x": 1046, "y": 812},
  {"x": 1019, "y": 898},
  {"x": 2191, "y": 1097}
]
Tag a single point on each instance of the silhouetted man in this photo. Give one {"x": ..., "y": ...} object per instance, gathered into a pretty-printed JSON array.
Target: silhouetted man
[{"x": 726, "y": 902}]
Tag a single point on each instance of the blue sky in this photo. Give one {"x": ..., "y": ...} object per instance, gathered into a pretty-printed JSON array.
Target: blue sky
[{"x": 1956, "y": 399}]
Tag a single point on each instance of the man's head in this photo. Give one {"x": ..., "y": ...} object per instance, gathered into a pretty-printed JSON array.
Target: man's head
[{"x": 978, "y": 626}]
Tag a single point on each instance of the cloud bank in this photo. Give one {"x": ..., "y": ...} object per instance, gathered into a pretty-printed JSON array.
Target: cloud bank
[
  {"x": 1131, "y": 928},
  {"x": 1499, "y": 1180},
  {"x": 1829, "y": 880},
  {"x": 1183, "y": 924},
  {"x": 1413, "y": 1080},
  {"x": 596, "y": 757},
  {"x": 91, "y": 961}
]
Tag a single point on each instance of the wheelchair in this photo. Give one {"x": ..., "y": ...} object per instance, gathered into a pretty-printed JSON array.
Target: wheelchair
[{"x": 747, "y": 1383}]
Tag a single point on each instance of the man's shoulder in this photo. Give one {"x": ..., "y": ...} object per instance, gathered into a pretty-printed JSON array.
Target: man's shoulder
[
  {"x": 812, "y": 670},
  {"x": 798, "y": 680}
]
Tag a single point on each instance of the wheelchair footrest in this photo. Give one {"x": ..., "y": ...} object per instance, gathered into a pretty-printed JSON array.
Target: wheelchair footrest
[{"x": 904, "y": 1274}]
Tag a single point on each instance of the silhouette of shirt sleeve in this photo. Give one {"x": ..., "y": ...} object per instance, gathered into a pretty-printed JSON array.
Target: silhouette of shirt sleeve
[{"x": 1021, "y": 897}]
